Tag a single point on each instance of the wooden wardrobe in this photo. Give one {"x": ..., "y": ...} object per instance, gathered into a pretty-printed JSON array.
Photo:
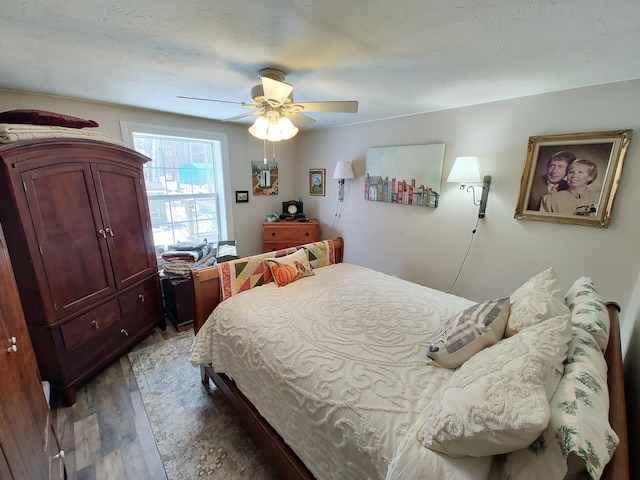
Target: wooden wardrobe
[
  {"x": 28, "y": 445},
  {"x": 78, "y": 231}
]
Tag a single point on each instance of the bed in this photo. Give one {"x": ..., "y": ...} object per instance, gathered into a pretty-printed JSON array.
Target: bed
[{"x": 328, "y": 372}]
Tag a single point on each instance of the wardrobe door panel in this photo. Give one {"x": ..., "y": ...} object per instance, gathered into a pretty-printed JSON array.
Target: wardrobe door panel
[
  {"x": 123, "y": 207},
  {"x": 70, "y": 234}
]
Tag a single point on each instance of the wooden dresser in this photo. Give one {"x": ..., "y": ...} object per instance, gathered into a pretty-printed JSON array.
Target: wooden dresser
[
  {"x": 285, "y": 234},
  {"x": 78, "y": 231},
  {"x": 29, "y": 447}
]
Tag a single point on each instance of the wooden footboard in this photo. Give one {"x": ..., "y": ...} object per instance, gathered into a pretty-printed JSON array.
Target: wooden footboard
[
  {"x": 283, "y": 459},
  {"x": 287, "y": 464}
]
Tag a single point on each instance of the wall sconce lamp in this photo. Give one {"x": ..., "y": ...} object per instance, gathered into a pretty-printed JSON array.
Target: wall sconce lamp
[
  {"x": 343, "y": 171},
  {"x": 465, "y": 170}
]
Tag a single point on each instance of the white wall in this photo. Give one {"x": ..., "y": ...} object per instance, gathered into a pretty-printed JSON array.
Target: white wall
[
  {"x": 243, "y": 149},
  {"x": 427, "y": 246}
]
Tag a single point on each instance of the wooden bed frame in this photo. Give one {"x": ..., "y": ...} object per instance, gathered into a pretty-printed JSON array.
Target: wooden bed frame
[{"x": 207, "y": 295}]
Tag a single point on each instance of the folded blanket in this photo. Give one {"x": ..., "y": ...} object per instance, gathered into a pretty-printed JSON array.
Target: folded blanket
[
  {"x": 182, "y": 268},
  {"x": 13, "y": 132},
  {"x": 188, "y": 255}
]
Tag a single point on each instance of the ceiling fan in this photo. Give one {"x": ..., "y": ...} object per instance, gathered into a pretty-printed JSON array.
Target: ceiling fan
[{"x": 277, "y": 112}]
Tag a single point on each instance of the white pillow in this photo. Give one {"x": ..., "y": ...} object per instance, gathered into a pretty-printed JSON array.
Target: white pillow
[
  {"x": 588, "y": 311},
  {"x": 579, "y": 434},
  {"x": 468, "y": 332},
  {"x": 537, "y": 300},
  {"x": 498, "y": 400}
]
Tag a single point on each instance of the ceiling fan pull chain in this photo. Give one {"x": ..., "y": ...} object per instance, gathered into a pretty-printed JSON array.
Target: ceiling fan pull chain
[
  {"x": 274, "y": 151},
  {"x": 264, "y": 150}
]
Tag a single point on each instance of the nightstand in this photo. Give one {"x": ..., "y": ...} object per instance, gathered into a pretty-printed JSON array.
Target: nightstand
[
  {"x": 178, "y": 302},
  {"x": 285, "y": 234}
]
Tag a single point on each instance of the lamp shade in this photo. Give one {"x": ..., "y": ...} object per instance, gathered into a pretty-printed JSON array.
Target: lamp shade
[
  {"x": 259, "y": 127},
  {"x": 283, "y": 130},
  {"x": 343, "y": 170},
  {"x": 465, "y": 170}
]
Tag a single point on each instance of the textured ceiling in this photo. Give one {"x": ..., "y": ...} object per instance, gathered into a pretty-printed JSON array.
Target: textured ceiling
[{"x": 395, "y": 58}]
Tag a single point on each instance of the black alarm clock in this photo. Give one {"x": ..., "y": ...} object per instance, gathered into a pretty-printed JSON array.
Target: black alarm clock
[{"x": 292, "y": 209}]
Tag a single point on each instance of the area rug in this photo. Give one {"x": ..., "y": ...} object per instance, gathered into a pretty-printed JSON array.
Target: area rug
[{"x": 196, "y": 432}]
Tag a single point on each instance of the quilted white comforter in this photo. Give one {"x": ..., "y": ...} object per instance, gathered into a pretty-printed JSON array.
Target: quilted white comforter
[{"x": 335, "y": 363}]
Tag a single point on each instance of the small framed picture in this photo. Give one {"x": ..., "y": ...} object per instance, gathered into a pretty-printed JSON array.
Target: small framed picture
[
  {"x": 242, "y": 196},
  {"x": 317, "y": 181},
  {"x": 572, "y": 178}
]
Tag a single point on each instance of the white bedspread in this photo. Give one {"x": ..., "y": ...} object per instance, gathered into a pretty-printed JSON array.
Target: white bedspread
[{"x": 335, "y": 363}]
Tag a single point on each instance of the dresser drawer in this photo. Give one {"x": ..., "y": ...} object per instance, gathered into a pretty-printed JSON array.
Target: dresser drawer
[
  {"x": 91, "y": 326},
  {"x": 275, "y": 246},
  {"x": 279, "y": 235},
  {"x": 295, "y": 231}
]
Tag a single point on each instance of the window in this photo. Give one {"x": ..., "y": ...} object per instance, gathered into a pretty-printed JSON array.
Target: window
[{"x": 185, "y": 183}]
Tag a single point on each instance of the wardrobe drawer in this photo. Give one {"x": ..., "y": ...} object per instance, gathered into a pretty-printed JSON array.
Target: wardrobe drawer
[
  {"x": 143, "y": 302},
  {"x": 91, "y": 326}
]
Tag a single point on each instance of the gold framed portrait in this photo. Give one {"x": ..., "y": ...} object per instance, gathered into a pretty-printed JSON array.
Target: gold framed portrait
[{"x": 572, "y": 178}]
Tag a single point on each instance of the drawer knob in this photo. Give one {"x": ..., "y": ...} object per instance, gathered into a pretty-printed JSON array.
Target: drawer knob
[
  {"x": 13, "y": 348},
  {"x": 95, "y": 325},
  {"x": 273, "y": 234},
  {"x": 141, "y": 297},
  {"x": 306, "y": 234},
  {"x": 124, "y": 332}
]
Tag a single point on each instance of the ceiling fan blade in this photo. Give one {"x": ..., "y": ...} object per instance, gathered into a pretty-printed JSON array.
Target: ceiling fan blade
[
  {"x": 339, "y": 107},
  {"x": 300, "y": 120},
  {"x": 211, "y": 100},
  {"x": 245, "y": 105},
  {"x": 244, "y": 115},
  {"x": 275, "y": 90}
]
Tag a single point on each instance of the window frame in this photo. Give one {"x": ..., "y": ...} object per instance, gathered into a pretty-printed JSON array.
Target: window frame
[{"x": 221, "y": 168}]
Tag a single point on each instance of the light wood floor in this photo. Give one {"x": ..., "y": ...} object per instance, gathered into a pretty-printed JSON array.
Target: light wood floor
[{"x": 106, "y": 434}]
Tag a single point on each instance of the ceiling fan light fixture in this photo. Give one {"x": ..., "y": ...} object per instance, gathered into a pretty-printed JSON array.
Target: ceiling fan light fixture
[
  {"x": 260, "y": 127},
  {"x": 286, "y": 129},
  {"x": 273, "y": 127}
]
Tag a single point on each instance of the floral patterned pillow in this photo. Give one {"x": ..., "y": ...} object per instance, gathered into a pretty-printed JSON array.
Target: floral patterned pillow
[
  {"x": 588, "y": 311},
  {"x": 579, "y": 436},
  {"x": 538, "y": 299}
]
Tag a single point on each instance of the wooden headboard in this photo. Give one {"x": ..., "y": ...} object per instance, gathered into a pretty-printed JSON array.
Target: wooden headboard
[
  {"x": 618, "y": 467},
  {"x": 206, "y": 288}
]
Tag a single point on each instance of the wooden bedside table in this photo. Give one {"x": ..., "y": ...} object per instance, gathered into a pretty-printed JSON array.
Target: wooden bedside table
[{"x": 285, "y": 234}]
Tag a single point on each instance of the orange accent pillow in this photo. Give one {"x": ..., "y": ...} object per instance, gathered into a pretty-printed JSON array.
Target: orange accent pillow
[{"x": 290, "y": 268}]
